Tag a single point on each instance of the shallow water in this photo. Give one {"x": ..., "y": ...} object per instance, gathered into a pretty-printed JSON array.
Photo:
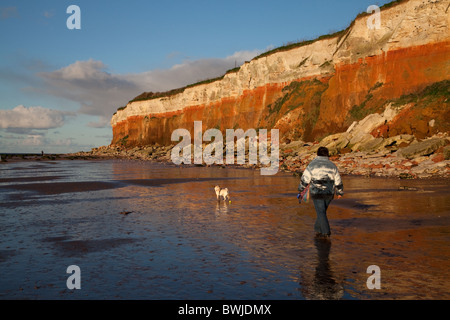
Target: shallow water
[{"x": 177, "y": 242}]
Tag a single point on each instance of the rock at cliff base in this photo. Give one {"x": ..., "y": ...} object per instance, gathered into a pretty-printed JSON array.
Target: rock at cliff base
[
  {"x": 447, "y": 153},
  {"x": 294, "y": 146},
  {"x": 422, "y": 148},
  {"x": 345, "y": 150},
  {"x": 371, "y": 144},
  {"x": 360, "y": 140}
]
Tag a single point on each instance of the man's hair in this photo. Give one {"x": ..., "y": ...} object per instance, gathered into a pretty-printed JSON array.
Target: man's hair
[{"x": 323, "y": 151}]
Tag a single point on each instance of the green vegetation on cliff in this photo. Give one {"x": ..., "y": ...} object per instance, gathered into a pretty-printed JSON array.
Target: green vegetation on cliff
[
  {"x": 300, "y": 103},
  {"x": 154, "y": 95},
  {"x": 426, "y": 96}
]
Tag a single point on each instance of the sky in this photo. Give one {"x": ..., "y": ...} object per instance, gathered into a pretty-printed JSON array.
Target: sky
[{"x": 60, "y": 86}]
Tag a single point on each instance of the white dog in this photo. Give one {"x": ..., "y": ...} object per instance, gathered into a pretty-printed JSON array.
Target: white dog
[{"x": 222, "y": 193}]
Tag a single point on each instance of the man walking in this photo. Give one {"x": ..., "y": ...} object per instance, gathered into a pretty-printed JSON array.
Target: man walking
[{"x": 324, "y": 181}]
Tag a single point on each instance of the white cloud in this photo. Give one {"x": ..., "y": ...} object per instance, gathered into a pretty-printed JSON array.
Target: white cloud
[
  {"x": 190, "y": 72},
  {"x": 35, "y": 143},
  {"x": 8, "y": 12},
  {"x": 39, "y": 118},
  {"x": 23, "y": 140},
  {"x": 64, "y": 142},
  {"x": 49, "y": 13},
  {"x": 33, "y": 140},
  {"x": 100, "y": 92}
]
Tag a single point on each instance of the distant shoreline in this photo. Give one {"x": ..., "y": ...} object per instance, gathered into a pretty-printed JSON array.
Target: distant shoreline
[
  {"x": 351, "y": 164},
  {"x": 19, "y": 157}
]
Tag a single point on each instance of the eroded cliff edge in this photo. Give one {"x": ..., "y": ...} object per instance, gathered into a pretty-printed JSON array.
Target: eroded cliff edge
[{"x": 320, "y": 87}]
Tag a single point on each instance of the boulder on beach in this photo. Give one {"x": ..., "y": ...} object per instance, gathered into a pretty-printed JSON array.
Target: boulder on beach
[
  {"x": 422, "y": 148},
  {"x": 447, "y": 153}
]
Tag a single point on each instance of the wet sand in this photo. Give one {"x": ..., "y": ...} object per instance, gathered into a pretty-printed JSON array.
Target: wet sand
[{"x": 176, "y": 242}]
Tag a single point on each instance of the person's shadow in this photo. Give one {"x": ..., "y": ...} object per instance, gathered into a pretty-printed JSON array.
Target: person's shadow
[{"x": 324, "y": 285}]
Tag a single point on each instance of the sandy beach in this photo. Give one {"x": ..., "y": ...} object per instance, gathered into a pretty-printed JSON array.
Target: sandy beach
[{"x": 146, "y": 230}]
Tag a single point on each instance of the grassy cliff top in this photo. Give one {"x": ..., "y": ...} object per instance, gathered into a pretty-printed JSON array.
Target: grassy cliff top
[{"x": 339, "y": 34}]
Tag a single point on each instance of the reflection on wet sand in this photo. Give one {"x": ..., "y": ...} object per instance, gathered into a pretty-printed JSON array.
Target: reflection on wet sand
[
  {"x": 323, "y": 286},
  {"x": 221, "y": 208},
  {"x": 182, "y": 241}
]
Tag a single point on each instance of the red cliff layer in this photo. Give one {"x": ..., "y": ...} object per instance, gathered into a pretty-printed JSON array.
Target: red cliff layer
[{"x": 307, "y": 108}]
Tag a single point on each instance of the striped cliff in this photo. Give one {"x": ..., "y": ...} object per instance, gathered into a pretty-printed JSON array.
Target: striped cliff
[{"x": 316, "y": 88}]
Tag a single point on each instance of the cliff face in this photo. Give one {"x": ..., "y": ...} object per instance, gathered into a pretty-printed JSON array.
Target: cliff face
[{"x": 319, "y": 88}]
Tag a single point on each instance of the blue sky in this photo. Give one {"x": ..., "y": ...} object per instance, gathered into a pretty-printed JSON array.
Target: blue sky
[{"x": 60, "y": 87}]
